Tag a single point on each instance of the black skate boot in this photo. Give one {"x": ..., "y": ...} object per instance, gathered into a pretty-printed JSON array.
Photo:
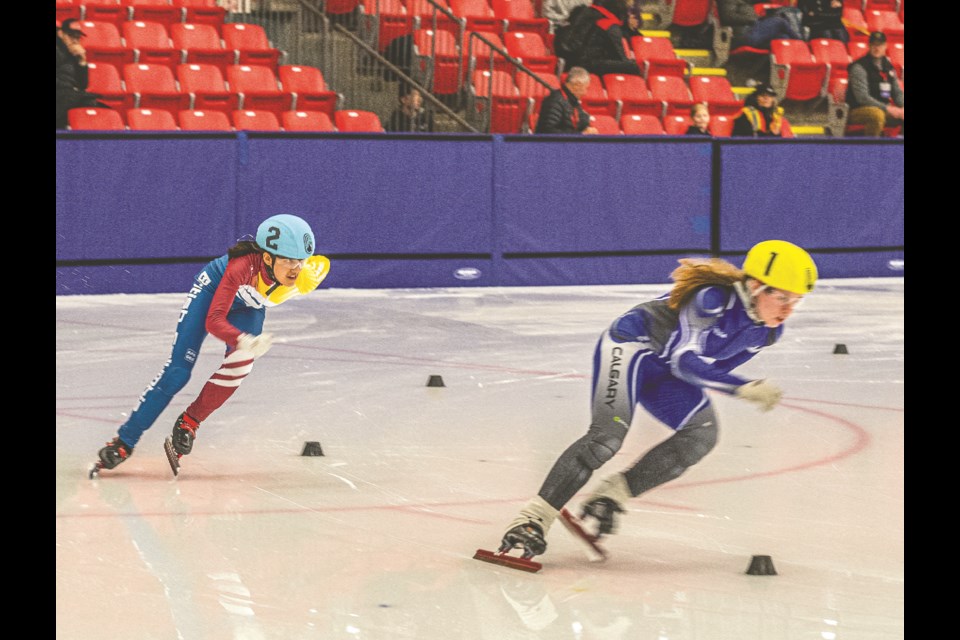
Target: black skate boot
[
  {"x": 115, "y": 452},
  {"x": 184, "y": 433},
  {"x": 604, "y": 511},
  {"x": 526, "y": 535}
]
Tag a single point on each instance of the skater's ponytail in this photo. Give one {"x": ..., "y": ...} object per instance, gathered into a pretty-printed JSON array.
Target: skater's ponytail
[
  {"x": 242, "y": 248},
  {"x": 694, "y": 273}
]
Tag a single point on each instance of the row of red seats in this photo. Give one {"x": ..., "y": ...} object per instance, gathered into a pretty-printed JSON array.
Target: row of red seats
[
  {"x": 203, "y": 87},
  {"x": 500, "y": 101},
  {"x": 153, "y": 43},
  {"x": 808, "y": 71},
  {"x": 676, "y": 125},
  {"x": 861, "y": 23},
  {"x": 163, "y": 11},
  {"x": 143, "y": 119},
  {"x": 381, "y": 21}
]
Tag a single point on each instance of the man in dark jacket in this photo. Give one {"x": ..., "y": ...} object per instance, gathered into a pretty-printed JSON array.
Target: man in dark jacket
[
  {"x": 824, "y": 18},
  {"x": 874, "y": 93},
  {"x": 561, "y": 111},
  {"x": 603, "y": 51},
  {"x": 751, "y": 31},
  {"x": 71, "y": 72}
]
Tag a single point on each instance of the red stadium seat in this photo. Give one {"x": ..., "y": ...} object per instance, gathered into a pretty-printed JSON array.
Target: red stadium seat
[
  {"x": 196, "y": 120},
  {"x": 887, "y": 22},
  {"x": 477, "y": 54},
  {"x": 105, "y": 81},
  {"x": 258, "y": 89},
  {"x": 895, "y": 53},
  {"x": 154, "y": 87},
  {"x": 641, "y": 124},
  {"x": 477, "y": 15},
  {"x": 207, "y": 88},
  {"x": 383, "y": 21},
  {"x": 151, "y": 43},
  {"x": 531, "y": 50},
  {"x": 354, "y": 120},
  {"x": 520, "y": 15},
  {"x": 67, "y": 9},
  {"x": 105, "y": 11},
  {"x": 251, "y": 44},
  {"x": 800, "y": 76},
  {"x": 494, "y": 102},
  {"x": 309, "y": 89},
  {"x": 677, "y": 124},
  {"x": 721, "y": 126},
  {"x": 94, "y": 119},
  {"x": 306, "y": 121},
  {"x": 605, "y": 124},
  {"x": 252, "y": 120},
  {"x": 160, "y": 11},
  {"x": 201, "y": 43},
  {"x": 717, "y": 93},
  {"x": 202, "y": 12},
  {"x": 657, "y": 57},
  {"x": 674, "y": 92},
  {"x": 832, "y": 52},
  {"x": 104, "y": 44},
  {"x": 151, "y": 120},
  {"x": 633, "y": 95}
]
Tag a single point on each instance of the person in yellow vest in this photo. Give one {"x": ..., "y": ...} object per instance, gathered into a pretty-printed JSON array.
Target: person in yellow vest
[{"x": 761, "y": 117}]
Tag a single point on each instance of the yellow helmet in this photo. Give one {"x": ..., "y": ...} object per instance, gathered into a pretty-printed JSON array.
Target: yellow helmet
[{"x": 782, "y": 265}]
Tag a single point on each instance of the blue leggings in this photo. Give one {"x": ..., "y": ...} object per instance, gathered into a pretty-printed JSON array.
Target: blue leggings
[{"x": 191, "y": 332}]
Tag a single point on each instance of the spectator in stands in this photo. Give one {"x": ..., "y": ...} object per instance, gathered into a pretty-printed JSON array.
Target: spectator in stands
[
  {"x": 411, "y": 115},
  {"x": 72, "y": 72},
  {"x": 874, "y": 93},
  {"x": 561, "y": 111},
  {"x": 602, "y": 50},
  {"x": 558, "y": 11},
  {"x": 761, "y": 116},
  {"x": 700, "y": 114},
  {"x": 824, "y": 19},
  {"x": 751, "y": 31}
]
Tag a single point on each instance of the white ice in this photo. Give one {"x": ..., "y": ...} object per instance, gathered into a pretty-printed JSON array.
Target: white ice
[{"x": 374, "y": 540}]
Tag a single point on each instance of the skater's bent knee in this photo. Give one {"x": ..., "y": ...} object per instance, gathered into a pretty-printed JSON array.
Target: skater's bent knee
[
  {"x": 596, "y": 452},
  {"x": 696, "y": 444},
  {"x": 173, "y": 380}
]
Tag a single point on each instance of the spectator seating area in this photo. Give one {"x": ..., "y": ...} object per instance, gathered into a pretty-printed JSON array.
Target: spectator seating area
[{"x": 492, "y": 57}]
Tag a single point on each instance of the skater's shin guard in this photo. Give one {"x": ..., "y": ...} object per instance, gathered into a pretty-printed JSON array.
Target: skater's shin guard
[{"x": 221, "y": 384}]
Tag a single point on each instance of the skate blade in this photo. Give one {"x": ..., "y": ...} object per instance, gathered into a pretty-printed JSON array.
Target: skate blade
[
  {"x": 172, "y": 456},
  {"x": 95, "y": 470},
  {"x": 507, "y": 561},
  {"x": 573, "y": 524}
]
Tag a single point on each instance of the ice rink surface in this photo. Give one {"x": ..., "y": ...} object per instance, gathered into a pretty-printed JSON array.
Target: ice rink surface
[{"x": 374, "y": 540}]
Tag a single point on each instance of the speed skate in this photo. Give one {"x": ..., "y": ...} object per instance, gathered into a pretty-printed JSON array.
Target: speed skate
[
  {"x": 573, "y": 524},
  {"x": 172, "y": 456},
  {"x": 501, "y": 558}
]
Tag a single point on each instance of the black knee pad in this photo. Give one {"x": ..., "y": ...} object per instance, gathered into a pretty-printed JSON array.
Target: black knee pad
[{"x": 598, "y": 448}]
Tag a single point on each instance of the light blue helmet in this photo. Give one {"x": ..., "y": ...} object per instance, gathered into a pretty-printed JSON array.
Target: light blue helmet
[{"x": 286, "y": 235}]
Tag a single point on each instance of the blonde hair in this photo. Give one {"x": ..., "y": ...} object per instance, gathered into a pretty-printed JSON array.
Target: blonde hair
[
  {"x": 699, "y": 106},
  {"x": 694, "y": 273}
]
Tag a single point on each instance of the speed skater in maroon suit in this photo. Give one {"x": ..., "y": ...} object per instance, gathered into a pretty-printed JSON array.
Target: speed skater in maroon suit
[{"x": 228, "y": 299}]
